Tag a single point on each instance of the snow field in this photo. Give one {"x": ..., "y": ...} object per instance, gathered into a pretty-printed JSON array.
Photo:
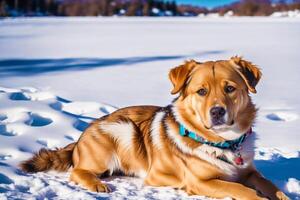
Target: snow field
[{"x": 77, "y": 63}]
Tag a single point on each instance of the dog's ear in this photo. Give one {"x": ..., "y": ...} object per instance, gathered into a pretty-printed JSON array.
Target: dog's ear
[
  {"x": 180, "y": 74},
  {"x": 249, "y": 72}
]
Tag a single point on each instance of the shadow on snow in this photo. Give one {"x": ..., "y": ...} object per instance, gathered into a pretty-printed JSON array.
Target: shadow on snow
[
  {"x": 279, "y": 170},
  {"x": 21, "y": 67}
]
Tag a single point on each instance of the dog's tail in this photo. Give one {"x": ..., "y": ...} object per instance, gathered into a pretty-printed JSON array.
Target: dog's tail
[{"x": 45, "y": 160}]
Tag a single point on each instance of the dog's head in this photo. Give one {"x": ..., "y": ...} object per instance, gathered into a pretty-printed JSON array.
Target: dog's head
[{"x": 215, "y": 95}]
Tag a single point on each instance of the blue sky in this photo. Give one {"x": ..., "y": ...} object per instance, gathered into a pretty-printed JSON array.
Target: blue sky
[{"x": 206, "y": 3}]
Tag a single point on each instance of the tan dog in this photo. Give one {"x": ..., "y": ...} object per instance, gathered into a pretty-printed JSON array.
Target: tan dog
[{"x": 201, "y": 143}]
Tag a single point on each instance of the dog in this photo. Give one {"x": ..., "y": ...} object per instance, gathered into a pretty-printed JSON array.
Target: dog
[{"x": 202, "y": 143}]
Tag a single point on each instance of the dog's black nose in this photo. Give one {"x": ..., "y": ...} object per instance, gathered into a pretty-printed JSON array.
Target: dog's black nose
[{"x": 217, "y": 112}]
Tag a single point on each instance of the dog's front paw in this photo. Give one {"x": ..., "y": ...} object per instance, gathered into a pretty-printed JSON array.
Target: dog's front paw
[
  {"x": 97, "y": 186},
  {"x": 281, "y": 196}
]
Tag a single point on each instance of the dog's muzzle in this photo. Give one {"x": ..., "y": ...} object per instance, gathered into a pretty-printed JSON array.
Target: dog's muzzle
[{"x": 217, "y": 115}]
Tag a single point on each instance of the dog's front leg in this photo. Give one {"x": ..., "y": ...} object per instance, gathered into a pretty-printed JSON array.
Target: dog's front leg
[
  {"x": 89, "y": 180},
  {"x": 217, "y": 188},
  {"x": 264, "y": 186}
]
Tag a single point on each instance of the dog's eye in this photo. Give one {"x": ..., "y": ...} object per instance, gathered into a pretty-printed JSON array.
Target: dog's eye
[
  {"x": 202, "y": 92},
  {"x": 229, "y": 89}
]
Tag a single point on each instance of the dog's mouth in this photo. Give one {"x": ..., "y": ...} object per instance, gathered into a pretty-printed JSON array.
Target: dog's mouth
[{"x": 220, "y": 125}]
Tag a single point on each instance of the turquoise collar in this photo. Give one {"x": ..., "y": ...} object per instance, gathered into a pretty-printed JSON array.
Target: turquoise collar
[{"x": 228, "y": 144}]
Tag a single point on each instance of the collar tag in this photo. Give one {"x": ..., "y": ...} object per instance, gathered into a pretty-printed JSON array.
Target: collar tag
[{"x": 239, "y": 160}]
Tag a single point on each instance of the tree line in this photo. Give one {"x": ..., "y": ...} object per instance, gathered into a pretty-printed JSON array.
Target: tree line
[
  {"x": 137, "y": 8},
  {"x": 258, "y": 7},
  {"x": 87, "y": 8}
]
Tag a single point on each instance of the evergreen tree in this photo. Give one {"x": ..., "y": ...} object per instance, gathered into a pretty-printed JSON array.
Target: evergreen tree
[{"x": 3, "y": 7}]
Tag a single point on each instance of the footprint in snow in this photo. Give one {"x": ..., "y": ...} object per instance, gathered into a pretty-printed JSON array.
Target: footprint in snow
[
  {"x": 38, "y": 120},
  {"x": 30, "y": 94},
  {"x": 2, "y": 117},
  {"x": 282, "y": 116},
  {"x": 80, "y": 125},
  {"x": 7, "y": 130},
  {"x": 19, "y": 96},
  {"x": 4, "y": 179},
  {"x": 56, "y": 106},
  {"x": 25, "y": 149},
  {"x": 5, "y": 157}
]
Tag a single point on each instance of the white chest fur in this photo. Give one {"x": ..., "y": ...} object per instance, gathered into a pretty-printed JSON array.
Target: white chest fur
[{"x": 229, "y": 167}]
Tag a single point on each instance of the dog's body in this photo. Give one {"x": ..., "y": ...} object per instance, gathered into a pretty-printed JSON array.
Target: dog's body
[{"x": 159, "y": 144}]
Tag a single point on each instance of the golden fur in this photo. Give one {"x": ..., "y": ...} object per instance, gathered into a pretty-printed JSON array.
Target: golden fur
[{"x": 144, "y": 140}]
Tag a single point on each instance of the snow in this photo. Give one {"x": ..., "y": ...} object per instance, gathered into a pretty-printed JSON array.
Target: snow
[
  {"x": 290, "y": 13},
  {"x": 293, "y": 186},
  {"x": 229, "y": 13},
  {"x": 58, "y": 74}
]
